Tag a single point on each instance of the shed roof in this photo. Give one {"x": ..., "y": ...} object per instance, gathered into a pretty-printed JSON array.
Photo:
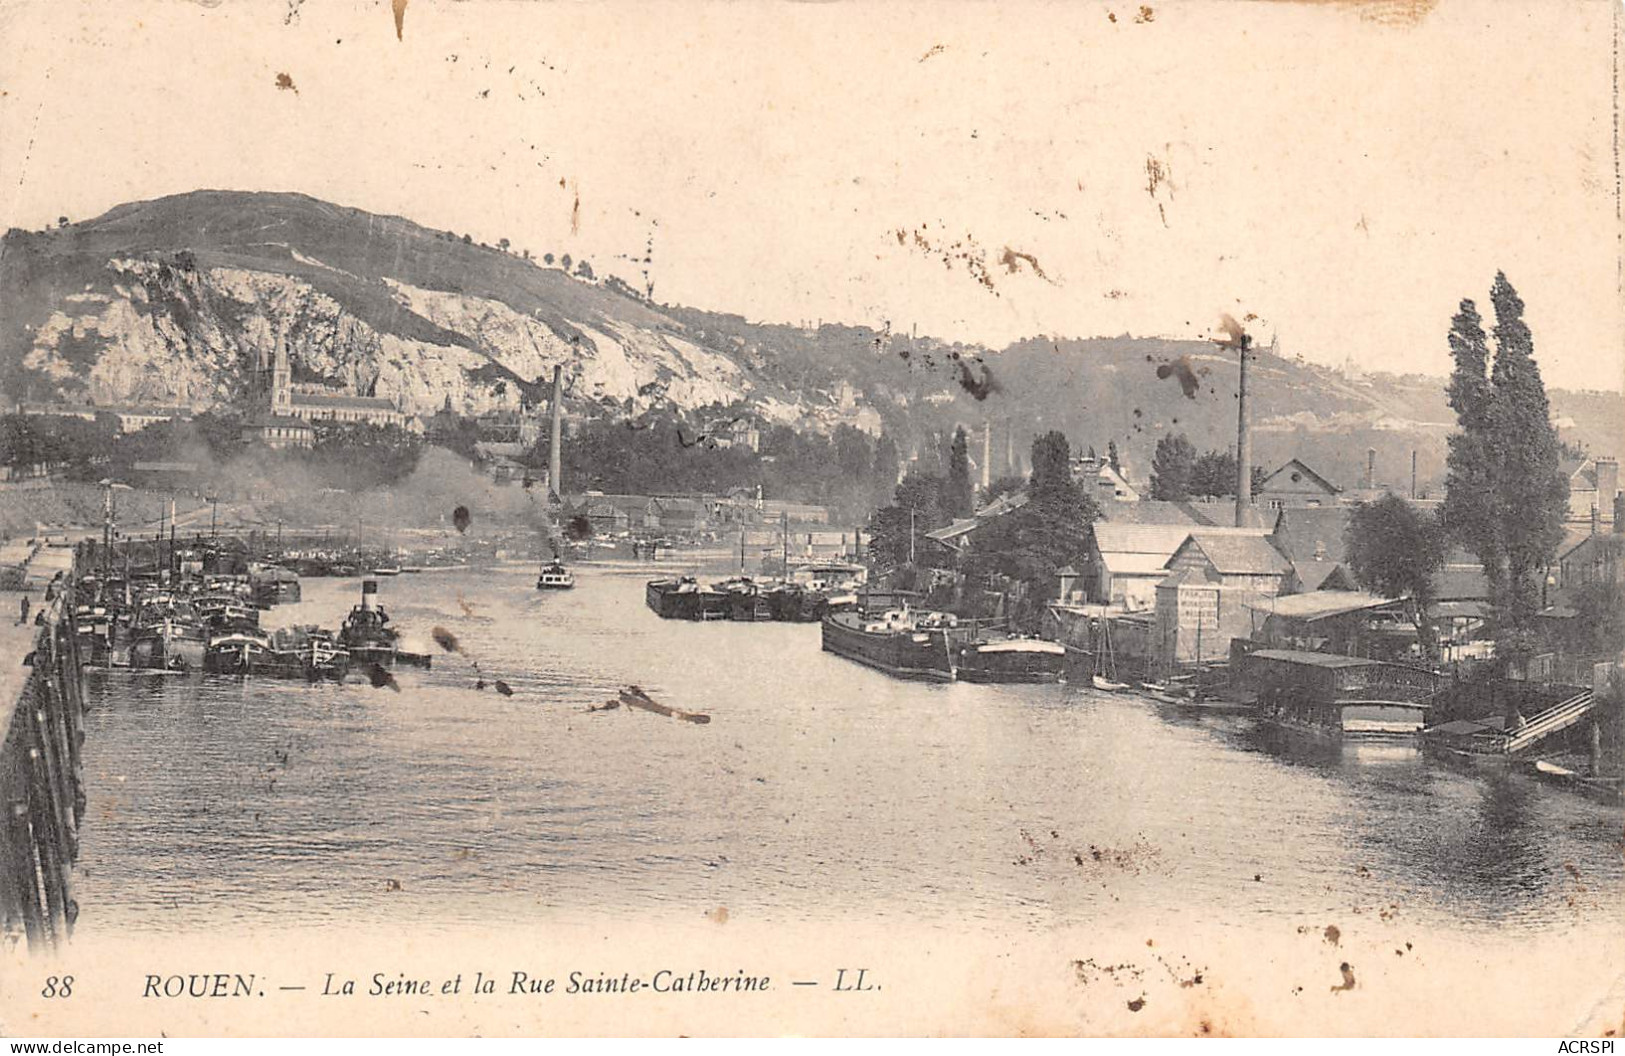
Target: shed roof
[
  {"x": 1239, "y": 554},
  {"x": 1313, "y": 533},
  {"x": 1313, "y": 575},
  {"x": 1164, "y": 539},
  {"x": 1149, "y": 511},
  {"x": 1319, "y": 605}
]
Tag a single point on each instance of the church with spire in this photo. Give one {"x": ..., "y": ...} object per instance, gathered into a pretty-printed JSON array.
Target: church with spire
[{"x": 290, "y": 412}]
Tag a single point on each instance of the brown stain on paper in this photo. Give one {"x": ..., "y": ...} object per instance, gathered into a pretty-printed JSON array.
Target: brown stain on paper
[
  {"x": 1384, "y": 12},
  {"x": 285, "y": 83},
  {"x": 400, "y": 17}
]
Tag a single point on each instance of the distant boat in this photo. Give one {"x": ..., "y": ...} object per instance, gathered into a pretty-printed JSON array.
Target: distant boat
[
  {"x": 386, "y": 570},
  {"x": 1106, "y": 685},
  {"x": 554, "y": 576}
]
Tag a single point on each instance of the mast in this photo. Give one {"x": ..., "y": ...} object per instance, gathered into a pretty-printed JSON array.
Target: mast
[{"x": 784, "y": 534}]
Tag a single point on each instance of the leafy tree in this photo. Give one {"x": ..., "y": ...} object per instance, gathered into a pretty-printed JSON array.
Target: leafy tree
[
  {"x": 1172, "y": 467},
  {"x": 547, "y": 258},
  {"x": 896, "y": 531},
  {"x": 1052, "y": 462},
  {"x": 959, "y": 495},
  {"x": 1031, "y": 544},
  {"x": 1395, "y": 550},
  {"x": 1213, "y": 474},
  {"x": 468, "y": 239},
  {"x": 1469, "y": 502},
  {"x": 565, "y": 262},
  {"x": 883, "y": 474},
  {"x": 502, "y": 244},
  {"x": 1008, "y": 484},
  {"x": 1505, "y": 496},
  {"x": 1532, "y": 494},
  {"x": 584, "y": 270},
  {"x": 1601, "y": 614}
]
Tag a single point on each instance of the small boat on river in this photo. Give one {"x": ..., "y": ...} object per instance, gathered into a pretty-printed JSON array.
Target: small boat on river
[{"x": 554, "y": 576}]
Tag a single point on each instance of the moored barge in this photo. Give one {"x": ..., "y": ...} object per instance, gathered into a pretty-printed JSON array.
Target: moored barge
[
  {"x": 1339, "y": 696},
  {"x": 901, "y": 642},
  {"x": 685, "y": 598},
  {"x": 1011, "y": 660}
]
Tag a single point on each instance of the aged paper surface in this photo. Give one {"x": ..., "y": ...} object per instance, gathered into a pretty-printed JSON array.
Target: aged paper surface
[{"x": 298, "y": 275}]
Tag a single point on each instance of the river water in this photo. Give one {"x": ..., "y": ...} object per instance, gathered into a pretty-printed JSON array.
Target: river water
[{"x": 820, "y": 790}]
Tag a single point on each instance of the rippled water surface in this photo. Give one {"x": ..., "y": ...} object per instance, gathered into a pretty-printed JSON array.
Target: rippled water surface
[{"x": 820, "y": 789}]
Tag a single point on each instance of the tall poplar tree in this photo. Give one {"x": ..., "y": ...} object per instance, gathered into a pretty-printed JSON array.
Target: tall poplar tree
[
  {"x": 960, "y": 495},
  {"x": 1505, "y": 495},
  {"x": 1470, "y": 501},
  {"x": 1531, "y": 493}
]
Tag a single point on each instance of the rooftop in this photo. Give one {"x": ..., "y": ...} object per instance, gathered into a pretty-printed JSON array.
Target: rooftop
[
  {"x": 1235, "y": 553},
  {"x": 357, "y": 403},
  {"x": 1318, "y": 605}
]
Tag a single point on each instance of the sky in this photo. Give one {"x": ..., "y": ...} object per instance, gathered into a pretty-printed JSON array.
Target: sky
[{"x": 1345, "y": 172}]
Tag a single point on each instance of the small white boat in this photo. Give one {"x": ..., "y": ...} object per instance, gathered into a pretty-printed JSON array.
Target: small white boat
[
  {"x": 1106, "y": 685},
  {"x": 554, "y": 576}
]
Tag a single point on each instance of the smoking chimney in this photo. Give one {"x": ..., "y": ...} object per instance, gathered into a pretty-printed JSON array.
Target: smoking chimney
[
  {"x": 556, "y": 435},
  {"x": 369, "y": 595},
  {"x": 1244, "y": 445}
]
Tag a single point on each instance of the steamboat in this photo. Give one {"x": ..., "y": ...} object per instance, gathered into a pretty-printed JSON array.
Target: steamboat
[
  {"x": 554, "y": 576},
  {"x": 368, "y": 638}
]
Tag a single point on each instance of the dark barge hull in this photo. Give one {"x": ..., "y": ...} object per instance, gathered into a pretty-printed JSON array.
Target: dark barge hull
[
  {"x": 1012, "y": 666},
  {"x": 894, "y": 652},
  {"x": 671, "y": 603}
]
